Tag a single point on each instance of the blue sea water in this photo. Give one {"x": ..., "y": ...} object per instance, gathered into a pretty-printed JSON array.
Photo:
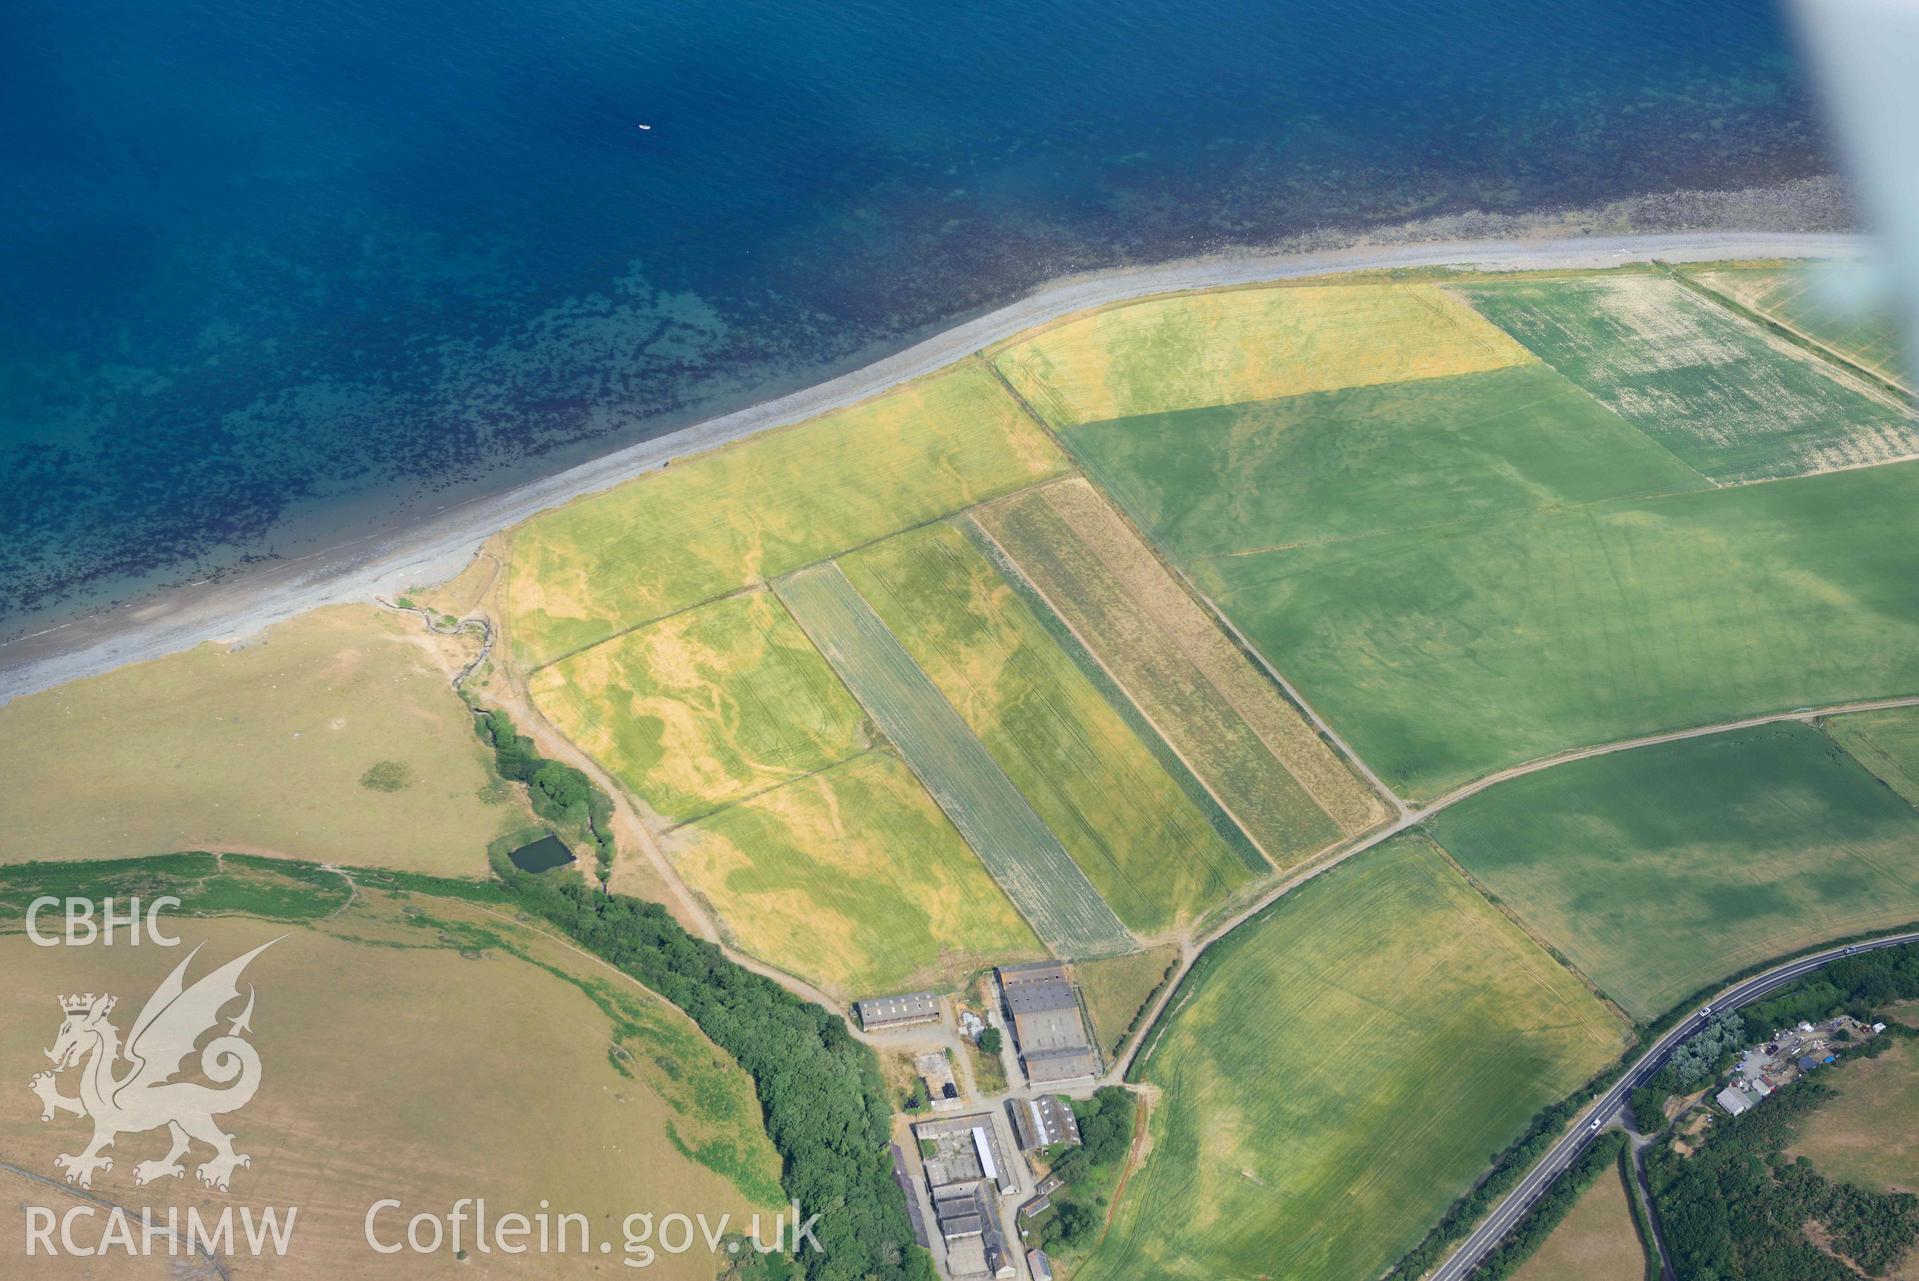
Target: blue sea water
[{"x": 268, "y": 265}]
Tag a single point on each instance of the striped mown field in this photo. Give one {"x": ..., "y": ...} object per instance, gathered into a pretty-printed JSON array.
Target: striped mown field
[
  {"x": 767, "y": 505},
  {"x": 1234, "y": 345},
  {"x": 1141, "y": 841},
  {"x": 1287, "y": 788},
  {"x": 1016, "y": 846}
]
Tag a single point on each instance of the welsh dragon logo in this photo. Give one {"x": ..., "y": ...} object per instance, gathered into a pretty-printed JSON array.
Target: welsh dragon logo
[{"x": 144, "y": 1096}]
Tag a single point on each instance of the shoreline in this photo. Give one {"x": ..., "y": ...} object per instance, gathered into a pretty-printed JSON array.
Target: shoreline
[{"x": 434, "y": 547}]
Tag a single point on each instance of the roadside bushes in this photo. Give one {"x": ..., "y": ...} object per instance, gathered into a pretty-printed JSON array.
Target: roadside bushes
[{"x": 821, "y": 1095}]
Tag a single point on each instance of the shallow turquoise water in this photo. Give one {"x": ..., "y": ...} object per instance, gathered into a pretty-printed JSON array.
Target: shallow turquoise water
[{"x": 274, "y": 268}]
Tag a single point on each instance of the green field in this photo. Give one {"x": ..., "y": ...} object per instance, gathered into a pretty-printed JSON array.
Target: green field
[
  {"x": 1791, "y": 294},
  {"x": 1214, "y": 484},
  {"x": 1887, "y": 743},
  {"x": 1017, "y": 847},
  {"x": 1230, "y": 345},
  {"x": 1338, "y": 1071},
  {"x": 704, "y": 707},
  {"x": 853, "y": 879},
  {"x": 1147, "y": 849},
  {"x": 1229, "y": 725},
  {"x": 1713, "y": 388},
  {"x": 1445, "y": 654},
  {"x": 1659, "y": 871},
  {"x": 764, "y": 506}
]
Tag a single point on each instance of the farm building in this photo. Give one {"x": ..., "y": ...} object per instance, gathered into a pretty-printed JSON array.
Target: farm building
[
  {"x": 1039, "y": 1265},
  {"x": 881, "y": 1012},
  {"x": 1047, "y": 1023},
  {"x": 1043, "y": 1121},
  {"x": 1735, "y": 1100}
]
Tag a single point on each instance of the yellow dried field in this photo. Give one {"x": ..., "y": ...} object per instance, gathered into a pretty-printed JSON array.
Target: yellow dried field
[
  {"x": 705, "y": 706},
  {"x": 852, "y": 879},
  {"x": 761, "y": 507},
  {"x": 1231, "y": 346},
  {"x": 268, "y": 746}
]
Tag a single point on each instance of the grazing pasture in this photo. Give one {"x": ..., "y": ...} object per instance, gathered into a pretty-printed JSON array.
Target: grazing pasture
[
  {"x": 1664, "y": 869},
  {"x": 1791, "y": 294},
  {"x": 1444, "y": 654},
  {"x": 1887, "y": 743},
  {"x": 1596, "y": 1241},
  {"x": 1220, "y": 482},
  {"x": 1222, "y": 347},
  {"x": 1011, "y": 840},
  {"x": 266, "y": 745},
  {"x": 1142, "y": 843},
  {"x": 705, "y": 706},
  {"x": 1336, "y": 1072},
  {"x": 761, "y": 507},
  {"x": 1729, "y": 400},
  {"x": 415, "y": 1047},
  {"x": 1287, "y": 788},
  {"x": 853, "y": 879}
]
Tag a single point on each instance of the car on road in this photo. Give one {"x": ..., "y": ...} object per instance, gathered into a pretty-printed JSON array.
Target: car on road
[
  {"x": 1849, "y": 951},
  {"x": 1705, "y": 1011}
]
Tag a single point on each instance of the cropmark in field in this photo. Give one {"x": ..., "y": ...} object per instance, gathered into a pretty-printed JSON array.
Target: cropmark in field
[
  {"x": 705, "y": 706},
  {"x": 1015, "y": 845},
  {"x": 1731, "y": 401},
  {"x": 853, "y": 879},
  {"x": 1227, "y": 346},
  {"x": 1139, "y": 839},
  {"x": 1290, "y": 792},
  {"x": 1662, "y": 870},
  {"x": 749, "y": 511},
  {"x": 1336, "y": 1072}
]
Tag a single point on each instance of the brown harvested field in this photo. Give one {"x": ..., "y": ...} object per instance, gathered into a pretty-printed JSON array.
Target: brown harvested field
[
  {"x": 407, "y": 1052},
  {"x": 1117, "y": 989},
  {"x": 1869, "y": 1133},
  {"x": 1199, "y": 690},
  {"x": 1595, "y": 1242},
  {"x": 262, "y": 747}
]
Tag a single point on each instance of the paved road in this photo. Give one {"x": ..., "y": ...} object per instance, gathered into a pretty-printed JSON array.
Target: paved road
[{"x": 1568, "y": 1149}]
